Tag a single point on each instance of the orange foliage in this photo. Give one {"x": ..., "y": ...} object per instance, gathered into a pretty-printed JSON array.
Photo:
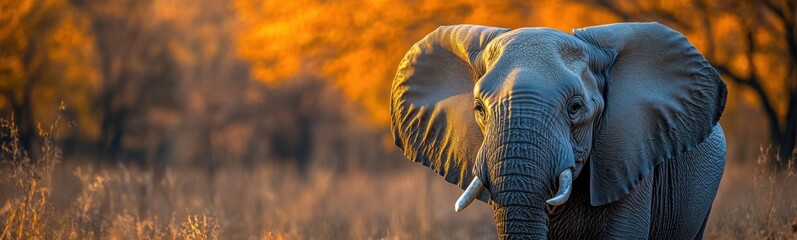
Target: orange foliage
[
  {"x": 183, "y": 49},
  {"x": 729, "y": 47},
  {"x": 48, "y": 48},
  {"x": 359, "y": 45}
]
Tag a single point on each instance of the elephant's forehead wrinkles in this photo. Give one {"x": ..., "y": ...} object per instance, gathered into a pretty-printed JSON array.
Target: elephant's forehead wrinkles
[
  {"x": 551, "y": 76},
  {"x": 530, "y": 40},
  {"x": 549, "y": 53},
  {"x": 533, "y": 61},
  {"x": 526, "y": 85}
]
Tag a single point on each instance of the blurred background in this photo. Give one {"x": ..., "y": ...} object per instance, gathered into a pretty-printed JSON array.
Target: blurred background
[{"x": 270, "y": 118}]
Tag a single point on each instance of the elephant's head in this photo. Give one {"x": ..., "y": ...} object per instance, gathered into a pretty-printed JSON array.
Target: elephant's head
[{"x": 519, "y": 113}]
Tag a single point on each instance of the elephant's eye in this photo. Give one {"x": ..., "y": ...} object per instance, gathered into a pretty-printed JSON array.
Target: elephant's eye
[
  {"x": 574, "y": 107},
  {"x": 478, "y": 109}
]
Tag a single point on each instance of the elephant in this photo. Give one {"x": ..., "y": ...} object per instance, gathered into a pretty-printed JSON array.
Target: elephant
[{"x": 611, "y": 132}]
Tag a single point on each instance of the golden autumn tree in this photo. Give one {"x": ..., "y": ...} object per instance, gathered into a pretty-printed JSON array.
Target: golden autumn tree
[
  {"x": 358, "y": 45},
  {"x": 46, "y": 57},
  {"x": 753, "y": 44},
  {"x": 136, "y": 100}
]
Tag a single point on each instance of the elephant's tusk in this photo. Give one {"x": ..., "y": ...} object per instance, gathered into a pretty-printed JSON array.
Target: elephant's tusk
[
  {"x": 472, "y": 192},
  {"x": 565, "y": 185}
]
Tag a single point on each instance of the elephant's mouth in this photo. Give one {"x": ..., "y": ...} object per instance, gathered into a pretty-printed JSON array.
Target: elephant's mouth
[{"x": 477, "y": 186}]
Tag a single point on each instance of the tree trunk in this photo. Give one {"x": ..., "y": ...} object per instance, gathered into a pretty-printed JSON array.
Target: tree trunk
[
  {"x": 788, "y": 137},
  {"x": 23, "y": 118}
]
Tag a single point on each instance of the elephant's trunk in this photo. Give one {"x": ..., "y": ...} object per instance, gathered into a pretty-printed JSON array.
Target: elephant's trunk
[
  {"x": 526, "y": 171},
  {"x": 520, "y": 187},
  {"x": 520, "y": 214}
]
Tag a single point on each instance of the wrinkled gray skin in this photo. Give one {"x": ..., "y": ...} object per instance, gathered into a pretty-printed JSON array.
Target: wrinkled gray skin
[{"x": 630, "y": 108}]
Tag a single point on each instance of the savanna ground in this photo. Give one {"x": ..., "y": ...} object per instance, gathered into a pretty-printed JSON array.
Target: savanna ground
[{"x": 46, "y": 199}]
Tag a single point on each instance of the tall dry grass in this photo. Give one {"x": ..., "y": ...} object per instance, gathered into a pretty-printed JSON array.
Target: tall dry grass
[
  {"x": 26, "y": 213},
  {"x": 45, "y": 199},
  {"x": 755, "y": 202}
]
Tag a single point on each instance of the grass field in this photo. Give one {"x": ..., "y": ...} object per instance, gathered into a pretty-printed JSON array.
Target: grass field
[{"x": 45, "y": 199}]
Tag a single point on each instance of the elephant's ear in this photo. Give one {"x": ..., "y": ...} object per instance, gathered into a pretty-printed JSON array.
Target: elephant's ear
[
  {"x": 662, "y": 98},
  {"x": 431, "y": 103}
]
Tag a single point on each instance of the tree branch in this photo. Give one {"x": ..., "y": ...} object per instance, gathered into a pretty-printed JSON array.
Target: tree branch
[
  {"x": 643, "y": 14},
  {"x": 787, "y": 21},
  {"x": 776, "y": 10},
  {"x": 707, "y": 29},
  {"x": 608, "y": 5},
  {"x": 753, "y": 83},
  {"x": 671, "y": 18},
  {"x": 734, "y": 77}
]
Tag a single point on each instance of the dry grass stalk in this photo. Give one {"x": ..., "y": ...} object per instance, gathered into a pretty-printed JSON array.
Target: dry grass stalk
[{"x": 26, "y": 206}]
